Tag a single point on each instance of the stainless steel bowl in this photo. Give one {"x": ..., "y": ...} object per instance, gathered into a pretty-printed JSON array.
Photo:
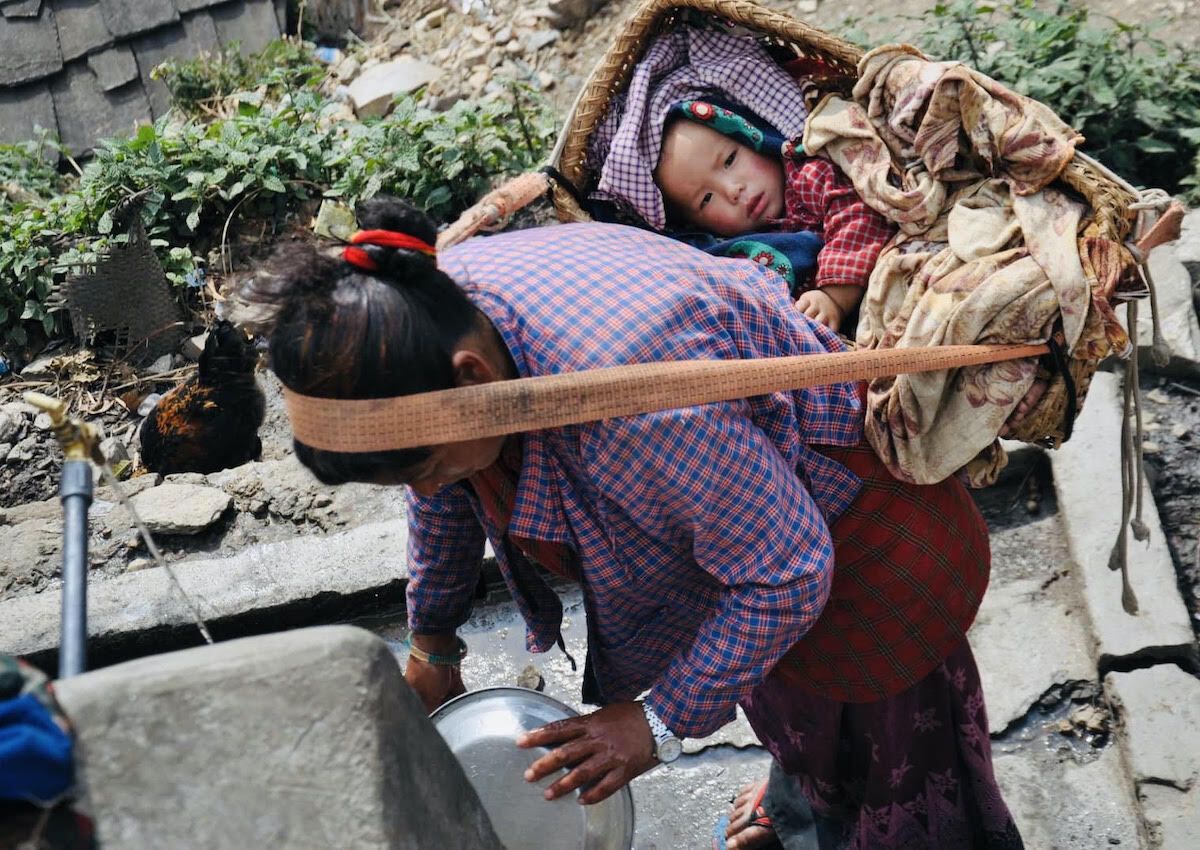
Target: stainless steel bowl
[{"x": 481, "y": 728}]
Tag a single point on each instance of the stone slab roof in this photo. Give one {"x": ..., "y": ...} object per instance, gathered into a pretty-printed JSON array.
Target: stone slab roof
[{"x": 81, "y": 68}]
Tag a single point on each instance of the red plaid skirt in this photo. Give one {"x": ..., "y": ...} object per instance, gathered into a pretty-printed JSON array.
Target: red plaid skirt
[{"x": 911, "y": 566}]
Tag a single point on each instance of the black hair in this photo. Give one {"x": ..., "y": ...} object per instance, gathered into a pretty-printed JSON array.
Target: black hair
[{"x": 338, "y": 331}]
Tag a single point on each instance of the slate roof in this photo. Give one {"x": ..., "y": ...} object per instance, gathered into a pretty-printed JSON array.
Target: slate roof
[{"x": 82, "y": 67}]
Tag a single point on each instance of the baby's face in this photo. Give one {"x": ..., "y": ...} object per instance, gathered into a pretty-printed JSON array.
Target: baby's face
[{"x": 717, "y": 184}]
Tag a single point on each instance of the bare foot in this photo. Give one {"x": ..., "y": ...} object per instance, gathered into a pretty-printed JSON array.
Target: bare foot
[{"x": 741, "y": 833}]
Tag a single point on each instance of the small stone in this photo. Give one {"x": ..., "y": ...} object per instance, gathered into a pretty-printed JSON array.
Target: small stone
[
  {"x": 22, "y": 451},
  {"x": 1149, "y": 447},
  {"x": 42, "y": 422},
  {"x": 481, "y": 34},
  {"x": 114, "y": 451},
  {"x": 479, "y": 77},
  {"x": 5, "y": 449},
  {"x": 9, "y": 426},
  {"x": 347, "y": 68},
  {"x": 174, "y": 508},
  {"x": 1158, "y": 397},
  {"x": 193, "y": 346},
  {"x": 139, "y": 564},
  {"x": 514, "y": 48},
  {"x": 1180, "y": 431},
  {"x": 546, "y": 80},
  {"x": 807, "y": 7},
  {"x": 335, "y": 221},
  {"x": 433, "y": 20},
  {"x": 504, "y": 35},
  {"x": 531, "y": 678},
  {"x": 162, "y": 364},
  {"x": 374, "y": 91},
  {"x": 40, "y": 369},
  {"x": 535, "y": 41},
  {"x": 147, "y": 404}
]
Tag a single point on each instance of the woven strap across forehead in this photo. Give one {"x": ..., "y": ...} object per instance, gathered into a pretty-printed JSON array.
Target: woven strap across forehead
[{"x": 552, "y": 401}]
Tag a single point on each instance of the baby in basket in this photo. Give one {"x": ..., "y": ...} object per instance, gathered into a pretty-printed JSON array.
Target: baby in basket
[{"x": 727, "y": 173}]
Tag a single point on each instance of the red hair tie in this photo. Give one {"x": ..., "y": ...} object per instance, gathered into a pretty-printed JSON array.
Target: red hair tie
[{"x": 384, "y": 238}]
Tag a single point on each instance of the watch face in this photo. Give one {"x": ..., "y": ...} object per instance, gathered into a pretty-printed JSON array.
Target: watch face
[{"x": 669, "y": 750}]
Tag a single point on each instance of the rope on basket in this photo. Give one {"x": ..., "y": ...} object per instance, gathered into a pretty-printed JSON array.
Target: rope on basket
[
  {"x": 494, "y": 209},
  {"x": 1133, "y": 472}
]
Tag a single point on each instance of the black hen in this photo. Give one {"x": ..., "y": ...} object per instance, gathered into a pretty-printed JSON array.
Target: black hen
[{"x": 210, "y": 422}]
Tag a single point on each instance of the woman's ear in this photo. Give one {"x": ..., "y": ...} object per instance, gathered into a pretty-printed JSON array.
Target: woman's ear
[{"x": 472, "y": 367}]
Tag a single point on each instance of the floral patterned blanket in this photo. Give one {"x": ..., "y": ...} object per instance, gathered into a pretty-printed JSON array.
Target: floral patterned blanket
[{"x": 988, "y": 251}]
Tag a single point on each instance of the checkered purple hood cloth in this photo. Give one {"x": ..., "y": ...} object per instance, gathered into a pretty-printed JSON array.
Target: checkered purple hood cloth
[{"x": 686, "y": 63}]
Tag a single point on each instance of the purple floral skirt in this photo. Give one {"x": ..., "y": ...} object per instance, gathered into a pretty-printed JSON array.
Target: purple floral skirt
[{"x": 913, "y": 771}]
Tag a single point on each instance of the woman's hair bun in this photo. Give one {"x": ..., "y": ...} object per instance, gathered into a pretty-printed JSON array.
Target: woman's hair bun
[
  {"x": 387, "y": 213},
  {"x": 384, "y": 213}
]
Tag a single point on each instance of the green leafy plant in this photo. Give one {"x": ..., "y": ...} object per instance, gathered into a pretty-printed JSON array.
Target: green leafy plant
[
  {"x": 199, "y": 178},
  {"x": 26, "y": 174},
  {"x": 198, "y": 85},
  {"x": 1135, "y": 98}
]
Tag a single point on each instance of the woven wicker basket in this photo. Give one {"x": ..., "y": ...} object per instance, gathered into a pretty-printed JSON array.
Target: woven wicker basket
[{"x": 1048, "y": 423}]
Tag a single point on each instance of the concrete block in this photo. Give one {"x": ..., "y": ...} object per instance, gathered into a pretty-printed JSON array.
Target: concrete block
[
  {"x": 86, "y": 113},
  {"x": 1087, "y": 477},
  {"x": 274, "y": 575},
  {"x": 1172, "y": 816},
  {"x": 113, "y": 67},
  {"x": 1025, "y": 642},
  {"x": 1188, "y": 246},
  {"x": 29, "y": 49},
  {"x": 372, "y": 93},
  {"x": 130, "y": 17},
  {"x": 251, "y": 24},
  {"x": 1176, "y": 313},
  {"x": 1160, "y": 709},
  {"x": 301, "y": 739},
  {"x": 23, "y": 110},
  {"x": 21, "y": 8},
  {"x": 81, "y": 28},
  {"x": 1070, "y": 806}
]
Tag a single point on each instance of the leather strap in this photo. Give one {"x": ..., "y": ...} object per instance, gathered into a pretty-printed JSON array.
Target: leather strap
[{"x": 552, "y": 401}]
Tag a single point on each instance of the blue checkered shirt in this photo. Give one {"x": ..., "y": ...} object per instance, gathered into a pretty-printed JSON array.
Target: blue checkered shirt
[{"x": 701, "y": 533}]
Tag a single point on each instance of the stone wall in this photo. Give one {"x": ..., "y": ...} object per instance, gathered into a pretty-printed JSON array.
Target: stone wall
[{"x": 81, "y": 68}]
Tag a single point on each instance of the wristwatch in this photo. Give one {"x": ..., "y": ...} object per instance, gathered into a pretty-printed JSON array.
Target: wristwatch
[{"x": 667, "y": 747}]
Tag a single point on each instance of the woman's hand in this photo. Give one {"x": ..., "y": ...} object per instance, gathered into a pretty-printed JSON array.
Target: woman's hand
[
  {"x": 434, "y": 683},
  {"x": 605, "y": 749}
]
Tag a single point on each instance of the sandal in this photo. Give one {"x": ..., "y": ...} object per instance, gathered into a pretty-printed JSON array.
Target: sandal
[{"x": 758, "y": 817}]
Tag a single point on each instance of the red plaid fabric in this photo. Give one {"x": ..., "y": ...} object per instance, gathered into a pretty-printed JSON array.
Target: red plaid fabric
[
  {"x": 496, "y": 489},
  {"x": 912, "y": 564},
  {"x": 820, "y": 198}
]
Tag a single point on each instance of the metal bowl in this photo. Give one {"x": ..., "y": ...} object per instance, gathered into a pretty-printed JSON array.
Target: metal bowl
[{"x": 481, "y": 728}]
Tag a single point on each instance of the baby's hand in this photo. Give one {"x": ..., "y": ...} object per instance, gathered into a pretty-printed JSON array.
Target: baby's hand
[{"x": 819, "y": 307}]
